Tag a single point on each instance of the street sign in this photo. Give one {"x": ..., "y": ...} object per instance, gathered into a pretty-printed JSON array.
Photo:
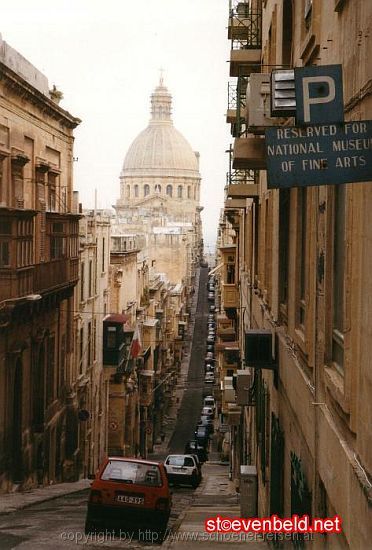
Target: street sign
[
  {"x": 319, "y": 94},
  {"x": 319, "y": 154}
]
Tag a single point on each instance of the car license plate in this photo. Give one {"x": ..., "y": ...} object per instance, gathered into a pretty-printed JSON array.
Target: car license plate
[{"x": 130, "y": 499}]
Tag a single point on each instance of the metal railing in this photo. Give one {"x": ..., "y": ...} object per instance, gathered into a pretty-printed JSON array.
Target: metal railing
[
  {"x": 242, "y": 177},
  {"x": 250, "y": 30},
  {"x": 232, "y": 97}
]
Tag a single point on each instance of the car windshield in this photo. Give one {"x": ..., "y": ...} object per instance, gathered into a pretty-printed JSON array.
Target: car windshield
[
  {"x": 132, "y": 472},
  {"x": 180, "y": 461}
]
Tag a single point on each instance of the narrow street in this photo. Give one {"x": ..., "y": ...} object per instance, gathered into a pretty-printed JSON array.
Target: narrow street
[{"x": 59, "y": 523}]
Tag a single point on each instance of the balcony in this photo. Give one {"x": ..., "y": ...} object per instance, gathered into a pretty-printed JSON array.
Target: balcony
[
  {"x": 244, "y": 31},
  {"x": 244, "y": 23},
  {"x": 231, "y": 103},
  {"x": 241, "y": 191},
  {"x": 249, "y": 153},
  {"x": 50, "y": 276},
  {"x": 230, "y": 296},
  {"x": 146, "y": 383}
]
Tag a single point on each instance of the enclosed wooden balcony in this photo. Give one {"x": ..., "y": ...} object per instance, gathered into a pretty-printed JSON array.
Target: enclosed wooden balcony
[
  {"x": 230, "y": 296},
  {"x": 49, "y": 276},
  {"x": 146, "y": 384},
  {"x": 249, "y": 153}
]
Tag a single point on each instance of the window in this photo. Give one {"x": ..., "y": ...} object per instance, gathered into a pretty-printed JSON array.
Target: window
[
  {"x": 128, "y": 191},
  {"x": 189, "y": 192},
  {"x": 157, "y": 188},
  {"x": 339, "y": 250},
  {"x": 82, "y": 271},
  {"x": 50, "y": 382},
  {"x": 103, "y": 254},
  {"x": 4, "y": 254},
  {"x": 81, "y": 349},
  {"x": 169, "y": 190},
  {"x": 179, "y": 192},
  {"x": 52, "y": 180},
  {"x": 94, "y": 339},
  {"x": 5, "y": 240},
  {"x": 58, "y": 241},
  {"x": 302, "y": 253},
  {"x": 90, "y": 286},
  {"x": 136, "y": 191},
  {"x": 284, "y": 213},
  {"x": 146, "y": 190},
  {"x": 89, "y": 344},
  {"x": 111, "y": 337}
]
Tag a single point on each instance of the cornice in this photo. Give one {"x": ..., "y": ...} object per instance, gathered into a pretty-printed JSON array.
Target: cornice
[{"x": 45, "y": 104}]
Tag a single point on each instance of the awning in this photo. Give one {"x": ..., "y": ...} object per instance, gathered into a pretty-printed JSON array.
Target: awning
[{"x": 212, "y": 271}]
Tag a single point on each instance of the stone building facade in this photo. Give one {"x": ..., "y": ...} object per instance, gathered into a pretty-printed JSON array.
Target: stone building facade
[
  {"x": 38, "y": 272},
  {"x": 302, "y": 264},
  {"x": 88, "y": 399}
]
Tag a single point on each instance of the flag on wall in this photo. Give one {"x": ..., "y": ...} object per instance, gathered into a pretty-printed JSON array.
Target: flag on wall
[{"x": 136, "y": 345}]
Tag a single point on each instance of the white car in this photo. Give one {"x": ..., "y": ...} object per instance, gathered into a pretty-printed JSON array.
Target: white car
[
  {"x": 209, "y": 378},
  {"x": 209, "y": 401},
  {"x": 182, "y": 469},
  {"x": 208, "y": 411}
]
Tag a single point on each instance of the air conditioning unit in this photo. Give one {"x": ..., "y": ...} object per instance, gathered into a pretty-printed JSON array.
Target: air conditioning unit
[
  {"x": 259, "y": 349},
  {"x": 244, "y": 380},
  {"x": 283, "y": 94},
  {"x": 248, "y": 491},
  {"x": 228, "y": 390},
  {"x": 258, "y": 112}
]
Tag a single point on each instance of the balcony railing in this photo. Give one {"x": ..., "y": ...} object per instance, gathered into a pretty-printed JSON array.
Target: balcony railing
[
  {"x": 245, "y": 29},
  {"x": 242, "y": 177},
  {"x": 232, "y": 90}
]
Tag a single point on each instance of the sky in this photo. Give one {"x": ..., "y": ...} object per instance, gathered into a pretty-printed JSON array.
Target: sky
[{"x": 105, "y": 56}]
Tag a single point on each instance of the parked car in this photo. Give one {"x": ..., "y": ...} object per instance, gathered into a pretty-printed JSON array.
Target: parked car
[
  {"x": 209, "y": 401},
  {"x": 202, "y": 436},
  {"x": 129, "y": 492},
  {"x": 210, "y": 348},
  {"x": 208, "y": 367},
  {"x": 207, "y": 422},
  {"x": 207, "y": 411},
  {"x": 210, "y": 339},
  {"x": 182, "y": 469},
  {"x": 198, "y": 463},
  {"x": 193, "y": 447},
  {"x": 212, "y": 308},
  {"x": 211, "y": 296},
  {"x": 209, "y": 378}
]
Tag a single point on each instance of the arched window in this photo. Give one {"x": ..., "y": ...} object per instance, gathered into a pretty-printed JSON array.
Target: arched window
[
  {"x": 189, "y": 192},
  {"x": 136, "y": 192},
  {"x": 128, "y": 191},
  {"x": 179, "y": 192},
  {"x": 157, "y": 188},
  {"x": 169, "y": 190},
  {"x": 146, "y": 190}
]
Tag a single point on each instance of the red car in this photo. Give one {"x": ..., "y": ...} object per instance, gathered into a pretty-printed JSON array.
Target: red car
[{"x": 129, "y": 492}]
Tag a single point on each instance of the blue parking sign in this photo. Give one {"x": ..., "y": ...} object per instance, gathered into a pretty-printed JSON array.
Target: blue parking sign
[{"x": 319, "y": 94}]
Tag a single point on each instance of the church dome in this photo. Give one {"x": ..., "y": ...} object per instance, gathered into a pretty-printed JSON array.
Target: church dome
[{"x": 160, "y": 148}]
